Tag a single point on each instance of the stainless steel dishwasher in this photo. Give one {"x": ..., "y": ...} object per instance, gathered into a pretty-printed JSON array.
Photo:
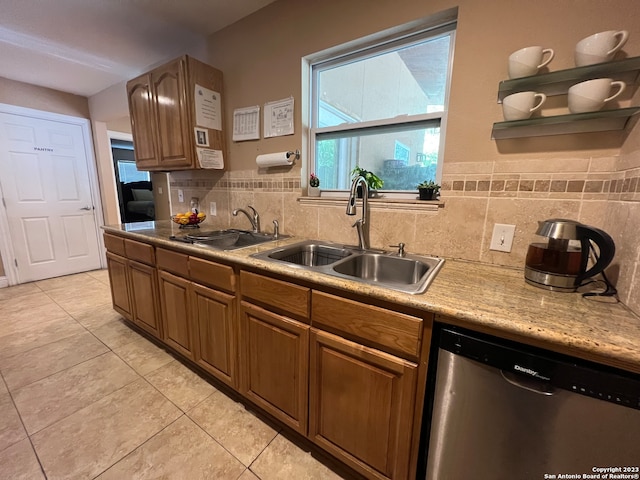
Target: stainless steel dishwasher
[{"x": 502, "y": 410}]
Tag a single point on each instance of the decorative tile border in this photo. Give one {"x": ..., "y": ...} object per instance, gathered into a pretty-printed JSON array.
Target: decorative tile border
[{"x": 617, "y": 183}]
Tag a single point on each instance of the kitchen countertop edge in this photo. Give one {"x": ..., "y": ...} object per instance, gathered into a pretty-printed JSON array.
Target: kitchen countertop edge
[{"x": 489, "y": 298}]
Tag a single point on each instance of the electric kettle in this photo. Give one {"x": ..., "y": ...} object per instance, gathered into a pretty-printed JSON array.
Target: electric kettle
[{"x": 558, "y": 258}]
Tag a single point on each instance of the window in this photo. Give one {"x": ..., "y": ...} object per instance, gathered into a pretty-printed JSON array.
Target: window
[{"x": 382, "y": 107}]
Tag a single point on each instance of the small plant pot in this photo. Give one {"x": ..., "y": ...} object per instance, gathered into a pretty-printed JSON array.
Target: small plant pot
[
  {"x": 313, "y": 191},
  {"x": 428, "y": 194}
]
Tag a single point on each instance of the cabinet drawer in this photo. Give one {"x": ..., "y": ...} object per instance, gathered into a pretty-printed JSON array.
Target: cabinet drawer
[
  {"x": 142, "y": 252},
  {"x": 114, "y": 244},
  {"x": 284, "y": 296},
  {"x": 212, "y": 274},
  {"x": 174, "y": 262},
  {"x": 392, "y": 331}
]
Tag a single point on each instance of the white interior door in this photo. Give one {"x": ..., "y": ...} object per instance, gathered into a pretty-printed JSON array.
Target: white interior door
[{"x": 47, "y": 195}]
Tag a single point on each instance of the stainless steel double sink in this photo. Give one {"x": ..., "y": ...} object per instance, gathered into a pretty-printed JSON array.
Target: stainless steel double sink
[
  {"x": 408, "y": 274},
  {"x": 230, "y": 239}
]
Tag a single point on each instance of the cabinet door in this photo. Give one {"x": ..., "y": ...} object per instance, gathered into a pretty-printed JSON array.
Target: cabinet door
[
  {"x": 215, "y": 349},
  {"x": 275, "y": 360},
  {"x": 361, "y": 405},
  {"x": 144, "y": 295},
  {"x": 171, "y": 109},
  {"x": 143, "y": 124},
  {"x": 118, "y": 280},
  {"x": 177, "y": 328}
]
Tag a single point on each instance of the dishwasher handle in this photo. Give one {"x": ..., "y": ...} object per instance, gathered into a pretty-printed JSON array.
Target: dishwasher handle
[{"x": 528, "y": 383}]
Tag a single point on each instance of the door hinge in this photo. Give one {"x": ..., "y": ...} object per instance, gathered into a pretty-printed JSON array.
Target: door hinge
[
  {"x": 3, "y": 203},
  {"x": 15, "y": 260}
]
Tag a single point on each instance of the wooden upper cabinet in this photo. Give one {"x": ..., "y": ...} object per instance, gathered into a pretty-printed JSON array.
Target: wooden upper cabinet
[
  {"x": 164, "y": 106},
  {"x": 143, "y": 125}
]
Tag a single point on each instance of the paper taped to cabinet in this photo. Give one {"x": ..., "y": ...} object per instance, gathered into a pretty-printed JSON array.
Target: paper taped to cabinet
[
  {"x": 208, "y": 108},
  {"x": 208, "y": 158}
]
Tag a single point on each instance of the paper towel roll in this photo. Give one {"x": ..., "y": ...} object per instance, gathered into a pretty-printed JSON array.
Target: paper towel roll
[{"x": 275, "y": 159}]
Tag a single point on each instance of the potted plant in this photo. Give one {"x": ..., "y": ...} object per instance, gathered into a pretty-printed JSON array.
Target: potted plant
[
  {"x": 373, "y": 181},
  {"x": 314, "y": 186},
  {"x": 428, "y": 190}
]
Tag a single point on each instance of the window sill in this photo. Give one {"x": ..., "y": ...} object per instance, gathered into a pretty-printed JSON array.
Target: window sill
[{"x": 377, "y": 203}]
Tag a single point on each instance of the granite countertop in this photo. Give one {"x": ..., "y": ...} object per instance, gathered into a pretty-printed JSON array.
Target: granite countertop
[{"x": 485, "y": 297}]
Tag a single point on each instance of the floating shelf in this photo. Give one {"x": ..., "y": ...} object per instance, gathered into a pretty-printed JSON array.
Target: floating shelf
[
  {"x": 558, "y": 83},
  {"x": 602, "y": 121}
]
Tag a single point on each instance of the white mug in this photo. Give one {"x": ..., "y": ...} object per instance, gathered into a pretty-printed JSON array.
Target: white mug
[
  {"x": 520, "y": 106},
  {"x": 600, "y": 47},
  {"x": 527, "y": 61},
  {"x": 590, "y": 96}
]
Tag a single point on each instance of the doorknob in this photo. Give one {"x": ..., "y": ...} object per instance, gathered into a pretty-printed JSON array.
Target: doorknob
[{"x": 86, "y": 208}]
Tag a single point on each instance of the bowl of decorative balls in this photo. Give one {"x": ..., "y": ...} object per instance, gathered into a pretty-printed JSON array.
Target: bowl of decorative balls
[{"x": 189, "y": 219}]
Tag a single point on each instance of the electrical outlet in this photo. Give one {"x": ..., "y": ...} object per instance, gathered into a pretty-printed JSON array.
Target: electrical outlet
[
  {"x": 180, "y": 196},
  {"x": 213, "y": 211},
  {"x": 502, "y": 238}
]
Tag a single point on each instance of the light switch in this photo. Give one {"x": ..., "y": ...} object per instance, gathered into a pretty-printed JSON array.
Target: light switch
[
  {"x": 502, "y": 238},
  {"x": 180, "y": 196},
  {"x": 212, "y": 209}
]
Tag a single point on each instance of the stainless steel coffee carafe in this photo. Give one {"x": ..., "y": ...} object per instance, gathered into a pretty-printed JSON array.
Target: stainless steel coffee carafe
[{"x": 558, "y": 258}]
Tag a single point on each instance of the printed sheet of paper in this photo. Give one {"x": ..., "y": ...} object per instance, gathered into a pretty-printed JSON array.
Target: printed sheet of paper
[
  {"x": 246, "y": 124},
  {"x": 208, "y": 108},
  {"x": 278, "y": 118},
  {"x": 209, "y": 158}
]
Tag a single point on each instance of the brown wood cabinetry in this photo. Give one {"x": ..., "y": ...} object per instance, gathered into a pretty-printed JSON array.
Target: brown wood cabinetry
[
  {"x": 275, "y": 359},
  {"x": 144, "y": 295},
  {"x": 274, "y": 347},
  {"x": 118, "y": 279},
  {"x": 134, "y": 284},
  {"x": 346, "y": 374},
  {"x": 361, "y": 403},
  {"x": 176, "y": 313},
  {"x": 214, "y": 316},
  {"x": 199, "y": 321},
  {"x": 162, "y": 107}
]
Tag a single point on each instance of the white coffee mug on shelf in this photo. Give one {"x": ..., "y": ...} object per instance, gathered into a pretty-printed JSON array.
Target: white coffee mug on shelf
[
  {"x": 520, "y": 106},
  {"x": 600, "y": 47},
  {"x": 527, "y": 61},
  {"x": 590, "y": 96}
]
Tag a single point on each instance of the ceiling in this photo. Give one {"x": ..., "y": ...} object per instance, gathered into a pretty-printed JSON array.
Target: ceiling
[{"x": 85, "y": 46}]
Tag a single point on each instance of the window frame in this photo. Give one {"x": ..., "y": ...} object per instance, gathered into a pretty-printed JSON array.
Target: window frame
[{"x": 406, "y": 35}]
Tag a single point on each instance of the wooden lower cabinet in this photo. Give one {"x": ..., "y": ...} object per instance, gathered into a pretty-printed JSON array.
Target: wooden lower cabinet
[
  {"x": 118, "y": 279},
  {"x": 144, "y": 295},
  {"x": 361, "y": 404},
  {"x": 214, "y": 314},
  {"x": 274, "y": 354},
  {"x": 178, "y": 329}
]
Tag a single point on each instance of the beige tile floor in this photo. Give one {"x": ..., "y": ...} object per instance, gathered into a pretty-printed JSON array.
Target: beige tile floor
[{"x": 83, "y": 396}]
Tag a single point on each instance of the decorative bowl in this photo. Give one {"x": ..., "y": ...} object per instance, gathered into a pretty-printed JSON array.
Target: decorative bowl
[{"x": 188, "y": 220}]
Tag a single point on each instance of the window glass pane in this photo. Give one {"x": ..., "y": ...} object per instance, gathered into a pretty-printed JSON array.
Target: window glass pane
[
  {"x": 129, "y": 173},
  {"x": 402, "y": 156},
  {"x": 406, "y": 81}
]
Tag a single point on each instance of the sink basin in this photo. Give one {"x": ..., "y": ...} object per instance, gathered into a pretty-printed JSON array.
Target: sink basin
[
  {"x": 383, "y": 268},
  {"x": 227, "y": 239},
  {"x": 409, "y": 274},
  {"x": 309, "y": 254}
]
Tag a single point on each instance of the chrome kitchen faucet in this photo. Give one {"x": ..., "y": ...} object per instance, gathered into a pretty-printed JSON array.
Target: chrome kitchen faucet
[
  {"x": 362, "y": 224},
  {"x": 254, "y": 218}
]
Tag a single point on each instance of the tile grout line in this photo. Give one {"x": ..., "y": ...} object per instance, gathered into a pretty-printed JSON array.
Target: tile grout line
[
  {"x": 139, "y": 446},
  {"x": 28, "y": 437}
]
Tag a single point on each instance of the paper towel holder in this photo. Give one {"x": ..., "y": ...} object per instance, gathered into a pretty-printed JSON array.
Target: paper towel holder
[{"x": 295, "y": 155}]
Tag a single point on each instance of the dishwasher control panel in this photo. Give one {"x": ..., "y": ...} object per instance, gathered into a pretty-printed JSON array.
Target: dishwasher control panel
[{"x": 549, "y": 369}]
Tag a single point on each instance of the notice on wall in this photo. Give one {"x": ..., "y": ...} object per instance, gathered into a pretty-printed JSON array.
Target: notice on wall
[
  {"x": 246, "y": 124},
  {"x": 209, "y": 158},
  {"x": 278, "y": 118},
  {"x": 208, "y": 108}
]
